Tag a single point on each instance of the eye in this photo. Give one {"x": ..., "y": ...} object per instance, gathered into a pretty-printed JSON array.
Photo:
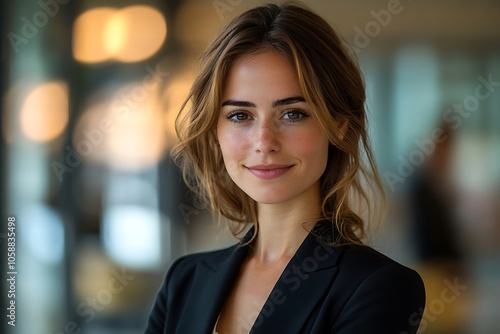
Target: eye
[
  {"x": 295, "y": 115},
  {"x": 237, "y": 116}
]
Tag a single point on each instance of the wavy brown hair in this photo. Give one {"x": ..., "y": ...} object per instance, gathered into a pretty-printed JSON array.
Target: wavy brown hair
[{"x": 332, "y": 84}]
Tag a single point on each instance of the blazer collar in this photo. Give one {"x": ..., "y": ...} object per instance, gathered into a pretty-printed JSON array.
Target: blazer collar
[
  {"x": 301, "y": 286},
  {"x": 312, "y": 245},
  {"x": 219, "y": 272},
  {"x": 314, "y": 249}
]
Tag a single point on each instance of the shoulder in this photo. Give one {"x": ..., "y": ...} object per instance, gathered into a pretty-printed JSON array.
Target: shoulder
[
  {"x": 359, "y": 262},
  {"x": 365, "y": 265},
  {"x": 375, "y": 289},
  {"x": 366, "y": 259}
]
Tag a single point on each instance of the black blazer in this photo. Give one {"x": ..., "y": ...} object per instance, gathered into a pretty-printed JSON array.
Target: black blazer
[{"x": 323, "y": 289}]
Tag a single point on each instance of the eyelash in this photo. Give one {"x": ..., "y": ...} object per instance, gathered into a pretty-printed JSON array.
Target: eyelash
[
  {"x": 232, "y": 114},
  {"x": 302, "y": 115}
]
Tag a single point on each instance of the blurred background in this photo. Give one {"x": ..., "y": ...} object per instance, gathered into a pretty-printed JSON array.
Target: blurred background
[{"x": 90, "y": 90}]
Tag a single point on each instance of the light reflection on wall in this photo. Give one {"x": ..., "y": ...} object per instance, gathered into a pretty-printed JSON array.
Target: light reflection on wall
[
  {"x": 131, "y": 34},
  {"x": 416, "y": 94},
  {"x": 44, "y": 236},
  {"x": 44, "y": 114},
  {"x": 40, "y": 260},
  {"x": 131, "y": 236}
]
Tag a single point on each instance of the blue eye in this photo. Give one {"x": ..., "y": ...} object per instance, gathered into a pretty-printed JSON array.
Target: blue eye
[{"x": 295, "y": 115}]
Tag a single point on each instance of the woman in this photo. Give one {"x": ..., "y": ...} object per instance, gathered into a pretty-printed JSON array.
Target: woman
[{"x": 275, "y": 137}]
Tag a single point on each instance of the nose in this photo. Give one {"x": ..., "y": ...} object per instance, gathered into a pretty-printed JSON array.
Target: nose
[{"x": 267, "y": 137}]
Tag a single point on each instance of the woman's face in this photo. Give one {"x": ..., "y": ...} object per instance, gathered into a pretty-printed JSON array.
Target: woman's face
[{"x": 273, "y": 147}]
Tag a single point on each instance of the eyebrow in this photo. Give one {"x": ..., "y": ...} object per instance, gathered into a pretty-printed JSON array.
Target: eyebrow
[{"x": 277, "y": 103}]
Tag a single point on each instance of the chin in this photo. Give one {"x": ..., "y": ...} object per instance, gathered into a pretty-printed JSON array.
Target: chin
[{"x": 268, "y": 198}]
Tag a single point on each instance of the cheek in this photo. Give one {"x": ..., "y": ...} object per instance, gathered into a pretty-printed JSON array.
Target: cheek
[
  {"x": 313, "y": 145},
  {"x": 232, "y": 144}
]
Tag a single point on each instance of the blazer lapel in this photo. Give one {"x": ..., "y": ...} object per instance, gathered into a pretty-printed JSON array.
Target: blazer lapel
[
  {"x": 219, "y": 276},
  {"x": 303, "y": 284},
  {"x": 300, "y": 288}
]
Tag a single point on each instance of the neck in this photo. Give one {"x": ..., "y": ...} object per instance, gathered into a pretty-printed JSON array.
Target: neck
[{"x": 283, "y": 228}]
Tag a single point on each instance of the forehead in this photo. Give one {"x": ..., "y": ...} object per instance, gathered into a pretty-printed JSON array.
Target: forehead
[{"x": 265, "y": 75}]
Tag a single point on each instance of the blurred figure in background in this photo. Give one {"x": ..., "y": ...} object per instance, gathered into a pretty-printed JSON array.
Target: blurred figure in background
[
  {"x": 436, "y": 237},
  {"x": 432, "y": 195}
]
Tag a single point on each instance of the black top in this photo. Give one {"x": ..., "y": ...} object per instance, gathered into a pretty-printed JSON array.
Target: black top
[{"x": 323, "y": 289}]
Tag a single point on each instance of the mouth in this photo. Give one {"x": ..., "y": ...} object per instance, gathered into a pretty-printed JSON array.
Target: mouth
[{"x": 269, "y": 171}]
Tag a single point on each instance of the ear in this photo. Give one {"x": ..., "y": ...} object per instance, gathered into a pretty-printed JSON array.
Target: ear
[{"x": 343, "y": 126}]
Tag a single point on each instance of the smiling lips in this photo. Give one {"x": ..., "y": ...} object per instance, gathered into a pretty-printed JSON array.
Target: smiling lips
[{"x": 269, "y": 171}]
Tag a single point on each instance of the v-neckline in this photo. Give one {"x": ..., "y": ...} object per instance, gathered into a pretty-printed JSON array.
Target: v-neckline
[
  {"x": 303, "y": 285},
  {"x": 280, "y": 277},
  {"x": 215, "y": 327}
]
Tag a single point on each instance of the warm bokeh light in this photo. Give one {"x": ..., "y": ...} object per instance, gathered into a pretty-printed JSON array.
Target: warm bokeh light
[
  {"x": 130, "y": 34},
  {"x": 138, "y": 140},
  {"x": 114, "y": 35},
  {"x": 124, "y": 136},
  {"x": 145, "y": 29},
  {"x": 88, "y": 38},
  {"x": 44, "y": 114}
]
